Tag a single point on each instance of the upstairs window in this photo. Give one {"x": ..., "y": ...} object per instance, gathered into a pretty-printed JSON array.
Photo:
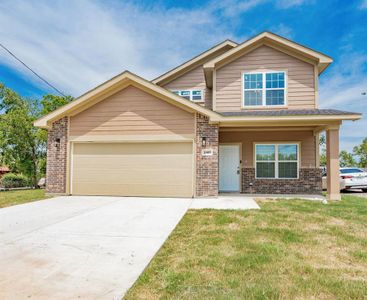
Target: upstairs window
[
  {"x": 264, "y": 89},
  {"x": 192, "y": 95}
]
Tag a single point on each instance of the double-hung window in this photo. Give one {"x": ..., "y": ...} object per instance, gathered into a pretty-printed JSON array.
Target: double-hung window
[
  {"x": 264, "y": 89},
  {"x": 277, "y": 161},
  {"x": 192, "y": 95}
]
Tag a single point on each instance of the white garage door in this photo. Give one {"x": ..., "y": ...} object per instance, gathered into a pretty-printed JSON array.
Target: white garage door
[{"x": 132, "y": 169}]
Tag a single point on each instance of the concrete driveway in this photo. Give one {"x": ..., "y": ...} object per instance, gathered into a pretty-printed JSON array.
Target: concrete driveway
[{"x": 81, "y": 247}]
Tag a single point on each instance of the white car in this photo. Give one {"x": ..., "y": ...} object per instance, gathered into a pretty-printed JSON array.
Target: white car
[
  {"x": 354, "y": 178},
  {"x": 324, "y": 180}
]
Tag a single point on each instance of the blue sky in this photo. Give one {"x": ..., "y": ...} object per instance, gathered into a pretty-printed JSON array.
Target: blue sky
[{"x": 79, "y": 44}]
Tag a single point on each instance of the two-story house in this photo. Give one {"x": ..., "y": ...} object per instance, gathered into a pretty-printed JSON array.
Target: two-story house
[{"x": 237, "y": 118}]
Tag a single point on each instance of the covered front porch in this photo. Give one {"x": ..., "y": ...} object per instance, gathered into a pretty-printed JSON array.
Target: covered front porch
[{"x": 278, "y": 159}]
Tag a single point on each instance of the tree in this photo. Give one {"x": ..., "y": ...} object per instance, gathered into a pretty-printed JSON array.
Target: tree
[
  {"x": 23, "y": 146},
  {"x": 323, "y": 160},
  {"x": 51, "y": 102},
  {"x": 322, "y": 145},
  {"x": 322, "y": 140},
  {"x": 346, "y": 159},
  {"x": 361, "y": 152},
  {"x": 20, "y": 146}
]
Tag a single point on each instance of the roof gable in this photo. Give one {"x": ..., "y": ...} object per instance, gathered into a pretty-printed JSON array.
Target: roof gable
[
  {"x": 111, "y": 87},
  {"x": 272, "y": 40},
  {"x": 195, "y": 62}
]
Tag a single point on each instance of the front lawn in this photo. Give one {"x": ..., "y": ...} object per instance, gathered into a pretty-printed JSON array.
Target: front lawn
[
  {"x": 9, "y": 198},
  {"x": 290, "y": 249}
]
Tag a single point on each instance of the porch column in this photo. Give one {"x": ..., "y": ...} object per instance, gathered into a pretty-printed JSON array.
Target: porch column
[{"x": 332, "y": 158}]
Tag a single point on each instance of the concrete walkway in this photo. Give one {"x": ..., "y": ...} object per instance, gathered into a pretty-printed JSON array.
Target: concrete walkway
[
  {"x": 225, "y": 202},
  {"x": 81, "y": 247},
  {"x": 289, "y": 196}
]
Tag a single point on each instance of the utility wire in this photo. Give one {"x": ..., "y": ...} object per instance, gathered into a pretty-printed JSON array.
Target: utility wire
[{"x": 39, "y": 76}]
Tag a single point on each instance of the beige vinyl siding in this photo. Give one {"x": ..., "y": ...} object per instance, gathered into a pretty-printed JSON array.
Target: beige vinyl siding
[
  {"x": 132, "y": 112},
  {"x": 133, "y": 169},
  {"x": 301, "y": 81},
  {"x": 193, "y": 79},
  {"x": 248, "y": 138}
]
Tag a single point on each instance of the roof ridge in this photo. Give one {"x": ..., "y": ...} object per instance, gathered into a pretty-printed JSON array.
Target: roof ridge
[{"x": 195, "y": 57}]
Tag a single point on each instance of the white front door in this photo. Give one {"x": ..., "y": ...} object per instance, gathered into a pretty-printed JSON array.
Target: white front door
[{"x": 229, "y": 168}]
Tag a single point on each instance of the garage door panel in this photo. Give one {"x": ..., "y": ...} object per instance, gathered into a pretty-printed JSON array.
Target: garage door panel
[
  {"x": 133, "y": 190},
  {"x": 133, "y": 176},
  {"x": 123, "y": 161},
  {"x": 132, "y": 148},
  {"x": 141, "y": 169}
]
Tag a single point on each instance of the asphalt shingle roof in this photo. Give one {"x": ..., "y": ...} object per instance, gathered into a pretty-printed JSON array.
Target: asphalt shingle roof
[{"x": 288, "y": 112}]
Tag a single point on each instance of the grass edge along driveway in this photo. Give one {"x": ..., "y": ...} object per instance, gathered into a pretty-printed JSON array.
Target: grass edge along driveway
[
  {"x": 289, "y": 249},
  {"x": 10, "y": 198}
]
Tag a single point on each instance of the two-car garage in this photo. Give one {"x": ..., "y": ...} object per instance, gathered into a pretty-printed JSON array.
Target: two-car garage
[
  {"x": 156, "y": 169},
  {"x": 127, "y": 137}
]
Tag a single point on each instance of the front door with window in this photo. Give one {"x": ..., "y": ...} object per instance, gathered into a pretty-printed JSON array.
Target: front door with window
[{"x": 229, "y": 168}]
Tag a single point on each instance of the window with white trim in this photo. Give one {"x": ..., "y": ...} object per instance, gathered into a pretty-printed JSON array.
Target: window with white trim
[
  {"x": 264, "y": 89},
  {"x": 277, "y": 161},
  {"x": 192, "y": 95}
]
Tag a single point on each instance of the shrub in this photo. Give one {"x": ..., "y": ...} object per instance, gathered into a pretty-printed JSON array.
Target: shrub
[{"x": 12, "y": 180}]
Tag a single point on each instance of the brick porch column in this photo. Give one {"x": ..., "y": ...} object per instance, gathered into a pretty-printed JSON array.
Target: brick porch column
[
  {"x": 206, "y": 165},
  {"x": 332, "y": 159}
]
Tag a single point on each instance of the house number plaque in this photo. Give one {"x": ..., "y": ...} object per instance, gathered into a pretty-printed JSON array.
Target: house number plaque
[{"x": 207, "y": 152}]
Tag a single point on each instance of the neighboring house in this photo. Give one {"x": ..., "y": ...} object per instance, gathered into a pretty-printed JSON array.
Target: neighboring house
[{"x": 236, "y": 118}]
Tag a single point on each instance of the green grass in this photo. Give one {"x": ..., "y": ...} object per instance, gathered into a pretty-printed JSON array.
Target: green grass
[
  {"x": 290, "y": 249},
  {"x": 9, "y": 198}
]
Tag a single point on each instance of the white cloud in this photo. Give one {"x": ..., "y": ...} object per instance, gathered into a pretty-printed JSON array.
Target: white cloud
[
  {"x": 290, "y": 3},
  {"x": 231, "y": 8},
  {"x": 283, "y": 30},
  {"x": 77, "y": 47},
  {"x": 346, "y": 83},
  {"x": 343, "y": 89},
  {"x": 79, "y": 44},
  {"x": 363, "y": 4}
]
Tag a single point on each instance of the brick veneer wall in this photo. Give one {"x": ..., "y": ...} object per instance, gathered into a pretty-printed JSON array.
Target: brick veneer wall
[
  {"x": 206, "y": 166},
  {"x": 57, "y": 157},
  {"x": 309, "y": 182}
]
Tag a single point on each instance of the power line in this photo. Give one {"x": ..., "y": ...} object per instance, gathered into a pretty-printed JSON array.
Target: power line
[{"x": 29, "y": 68}]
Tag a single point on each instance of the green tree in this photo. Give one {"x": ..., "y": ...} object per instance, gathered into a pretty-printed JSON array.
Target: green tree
[
  {"x": 322, "y": 140},
  {"x": 51, "y": 102},
  {"x": 323, "y": 161},
  {"x": 23, "y": 146},
  {"x": 322, "y": 145},
  {"x": 361, "y": 152},
  {"x": 346, "y": 159}
]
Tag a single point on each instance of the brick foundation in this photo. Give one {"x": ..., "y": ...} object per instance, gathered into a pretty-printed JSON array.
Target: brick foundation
[
  {"x": 57, "y": 157},
  {"x": 309, "y": 182},
  {"x": 206, "y": 166}
]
